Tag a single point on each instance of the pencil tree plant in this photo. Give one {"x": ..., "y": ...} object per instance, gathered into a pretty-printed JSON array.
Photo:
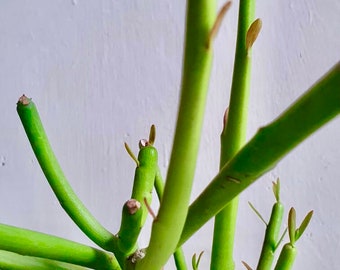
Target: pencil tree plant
[{"x": 241, "y": 163}]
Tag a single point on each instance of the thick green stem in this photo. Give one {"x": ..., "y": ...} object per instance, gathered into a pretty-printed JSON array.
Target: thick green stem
[
  {"x": 48, "y": 162},
  {"x": 167, "y": 228},
  {"x": 232, "y": 139},
  {"x": 14, "y": 261},
  {"x": 269, "y": 145},
  {"x": 31, "y": 243},
  {"x": 178, "y": 254}
]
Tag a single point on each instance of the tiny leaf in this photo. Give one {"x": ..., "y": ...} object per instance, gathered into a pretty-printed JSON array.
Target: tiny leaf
[
  {"x": 152, "y": 135},
  {"x": 304, "y": 225},
  {"x": 247, "y": 265},
  {"x": 292, "y": 225},
  {"x": 252, "y": 33},
  {"x": 131, "y": 154},
  {"x": 218, "y": 22},
  {"x": 276, "y": 189},
  {"x": 199, "y": 258},
  {"x": 193, "y": 262},
  {"x": 257, "y": 213}
]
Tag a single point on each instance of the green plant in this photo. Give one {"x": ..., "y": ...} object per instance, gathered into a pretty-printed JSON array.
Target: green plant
[{"x": 241, "y": 164}]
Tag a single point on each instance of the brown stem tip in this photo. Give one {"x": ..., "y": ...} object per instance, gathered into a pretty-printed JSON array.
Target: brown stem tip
[
  {"x": 133, "y": 206},
  {"x": 23, "y": 100}
]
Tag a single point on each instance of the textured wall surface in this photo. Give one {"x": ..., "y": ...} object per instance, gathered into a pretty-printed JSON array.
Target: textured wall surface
[{"x": 101, "y": 72}]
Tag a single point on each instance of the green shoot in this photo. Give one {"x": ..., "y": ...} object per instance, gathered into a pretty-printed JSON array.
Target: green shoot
[
  {"x": 289, "y": 251},
  {"x": 271, "y": 238}
]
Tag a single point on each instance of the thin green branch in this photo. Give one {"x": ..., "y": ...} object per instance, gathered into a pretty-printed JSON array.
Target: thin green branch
[
  {"x": 289, "y": 251},
  {"x": 144, "y": 178},
  {"x": 272, "y": 234},
  {"x": 48, "y": 162},
  {"x": 135, "y": 210},
  {"x": 167, "y": 228},
  {"x": 233, "y": 137},
  {"x": 269, "y": 145},
  {"x": 31, "y": 243},
  {"x": 14, "y": 261}
]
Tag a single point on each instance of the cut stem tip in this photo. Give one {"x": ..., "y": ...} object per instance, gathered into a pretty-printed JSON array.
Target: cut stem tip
[{"x": 23, "y": 100}]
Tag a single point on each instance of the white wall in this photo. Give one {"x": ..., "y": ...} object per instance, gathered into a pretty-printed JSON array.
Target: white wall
[{"x": 101, "y": 72}]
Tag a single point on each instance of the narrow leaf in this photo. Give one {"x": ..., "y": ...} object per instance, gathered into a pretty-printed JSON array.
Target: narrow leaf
[
  {"x": 247, "y": 265},
  {"x": 303, "y": 225},
  {"x": 292, "y": 225},
  {"x": 131, "y": 154},
  {"x": 199, "y": 259},
  {"x": 152, "y": 135},
  {"x": 217, "y": 24},
  {"x": 193, "y": 262},
  {"x": 276, "y": 189},
  {"x": 257, "y": 213}
]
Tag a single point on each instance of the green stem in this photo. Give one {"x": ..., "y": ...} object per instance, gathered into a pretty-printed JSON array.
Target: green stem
[
  {"x": 167, "y": 228},
  {"x": 286, "y": 258},
  {"x": 232, "y": 139},
  {"x": 130, "y": 227},
  {"x": 144, "y": 179},
  {"x": 178, "y": 254},
  {"x": 48, "y": 162},
  {"x": 269, "y": 145},
  {"x": 180, "y": 259},
  {"x": 135, "y": 211},
  {"x": 31, "y": 243},
  {"x": 14, "y": 261},
  {"x": 271, "y": 238}
]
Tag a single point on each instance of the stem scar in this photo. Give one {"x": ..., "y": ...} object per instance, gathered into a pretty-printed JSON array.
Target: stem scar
[{"x": 233, "y": 179}]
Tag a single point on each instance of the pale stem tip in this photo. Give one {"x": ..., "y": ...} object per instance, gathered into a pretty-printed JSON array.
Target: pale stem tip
[
  {"x": 23, "y": 100},
  {"x": 133, "y": 206}
]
